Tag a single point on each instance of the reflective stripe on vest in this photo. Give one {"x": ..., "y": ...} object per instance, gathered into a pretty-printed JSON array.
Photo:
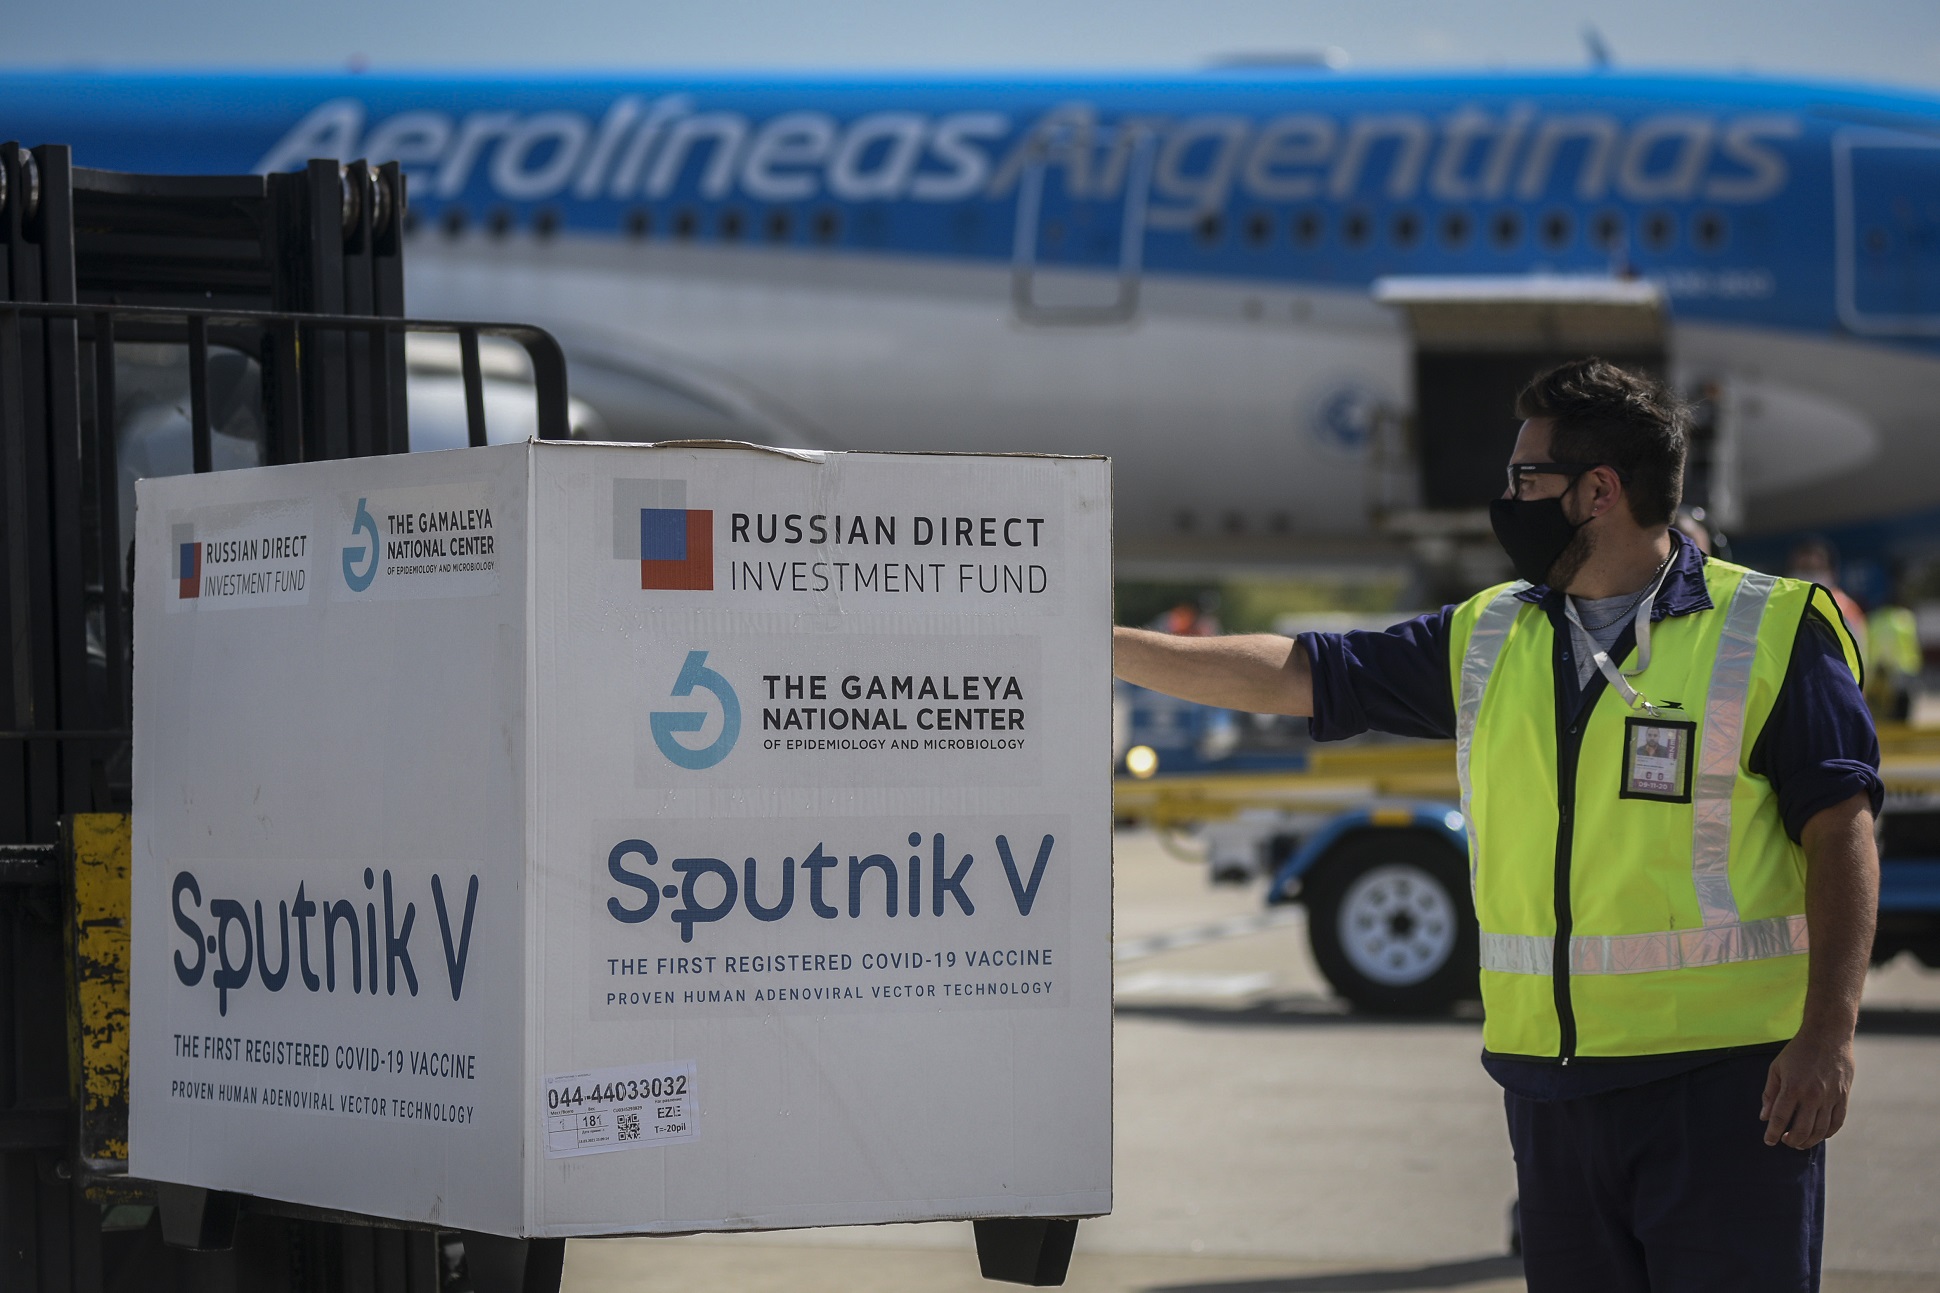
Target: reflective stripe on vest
[
  {"x": 1717, "y": 771},
  {"x": 1678, "y": 949},
  {"x": 1478, "y": 662},
  {"x": 1723, "y": 938}
]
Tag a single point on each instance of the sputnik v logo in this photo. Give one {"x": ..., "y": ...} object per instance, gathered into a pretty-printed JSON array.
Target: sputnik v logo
[
  {"x": 361, "y": 524},
  {"x": 665, "y": 723}
]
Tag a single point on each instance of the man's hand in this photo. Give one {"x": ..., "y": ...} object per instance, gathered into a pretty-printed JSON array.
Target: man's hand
[
  {"x": 1811, "y": 1080},
  {"x": 1807, "y": 1091}
]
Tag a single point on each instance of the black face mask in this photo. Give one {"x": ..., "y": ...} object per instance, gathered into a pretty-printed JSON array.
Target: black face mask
[{"x": 1534, "y": 532}]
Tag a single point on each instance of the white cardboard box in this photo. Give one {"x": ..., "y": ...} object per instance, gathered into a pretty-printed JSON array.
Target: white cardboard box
[{"x": 490, "y": 873}]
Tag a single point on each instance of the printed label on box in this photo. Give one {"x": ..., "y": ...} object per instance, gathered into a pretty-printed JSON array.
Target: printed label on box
[
  {"x": 240, "y": 555},
  {"x": 601, "y": 1110},
  {"x": 428, "y": 541}
]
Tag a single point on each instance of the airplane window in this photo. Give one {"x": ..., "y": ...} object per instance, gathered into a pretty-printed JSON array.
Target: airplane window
[
  {"x": 453, "y": 221},
  {"x": 639, "y": 222},
  {"x": 685, "y": 224},
  {"x": 1307, "y": 228},
  {"x": 1607, "y": 231},
  {"x": 1281, "y": 523},
  {"x": 1456, "y": 228},
  {"x": 1659, "y": 229},
  {"x": 1505, "y": 231},
  {"x": 731, "y": 225},
  {"x": 1235, "y": 523},
  {"x": 778, "y": 225},
  {"x": 545, "y": 222},
  {"x": 827, "y": 225},
  {"x": 1877, "y": 241},
  {"x": 1708, "y": 230},
  {"x": 1259, "y": 229},
  {"x": 1183, "y": 520},
  {"x": 1209, "y": 229},
  {"x": 499, "y": 222},
  {"x": 1354, "y": 229},
  {"x": 1406, "y": 229},
  {"x": 1557, "y": 228}
]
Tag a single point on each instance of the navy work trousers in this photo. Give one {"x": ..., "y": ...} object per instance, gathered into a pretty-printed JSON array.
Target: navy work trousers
[{"x": 1667, "y": 1187}]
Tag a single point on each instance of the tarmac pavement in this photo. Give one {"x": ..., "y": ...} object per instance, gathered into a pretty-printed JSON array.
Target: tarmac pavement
[{"x": 1269, "y": 1141}]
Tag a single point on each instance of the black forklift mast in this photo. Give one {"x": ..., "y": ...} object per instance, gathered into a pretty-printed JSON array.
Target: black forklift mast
[
  {"x": 225, "y": 321},
  {"x": 270, "y": 311}
]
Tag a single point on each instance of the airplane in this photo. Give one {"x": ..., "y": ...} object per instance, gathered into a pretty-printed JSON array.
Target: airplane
[{"x": 1292, "y": 303}]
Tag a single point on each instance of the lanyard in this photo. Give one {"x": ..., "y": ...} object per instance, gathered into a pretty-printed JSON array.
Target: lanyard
[{"x": 1620, "y": 679}]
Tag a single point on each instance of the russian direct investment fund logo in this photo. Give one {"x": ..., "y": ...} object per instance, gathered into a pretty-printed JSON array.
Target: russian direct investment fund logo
[
  {"x": 188, "y": 569},
  {"x": 653, "y": 525},
  {"x": 188, "y": 561}
]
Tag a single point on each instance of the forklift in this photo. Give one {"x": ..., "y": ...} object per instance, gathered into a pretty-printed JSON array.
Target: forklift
[{"x": 153, "y": 325}]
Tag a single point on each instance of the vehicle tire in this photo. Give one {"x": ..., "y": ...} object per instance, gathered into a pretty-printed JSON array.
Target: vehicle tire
[{"x": 1391, "y": 922}]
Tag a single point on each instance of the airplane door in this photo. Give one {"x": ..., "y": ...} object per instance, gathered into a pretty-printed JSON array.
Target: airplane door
[
  {"x": 1079, "y": 248},
  {"x": 1887, "y": 196},
  {"x": 1477, "y": 340}
]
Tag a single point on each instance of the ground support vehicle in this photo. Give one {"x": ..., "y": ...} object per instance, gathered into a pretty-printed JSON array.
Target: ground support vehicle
[
  {"x": 1372, "y": 840},
  {"x": 149, "y": 325}
]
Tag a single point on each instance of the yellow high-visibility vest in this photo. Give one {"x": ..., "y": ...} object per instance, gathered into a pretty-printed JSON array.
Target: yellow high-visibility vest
[
  {"x": 1893, "y": 642},
  {"x": 1635, "y": 887}
]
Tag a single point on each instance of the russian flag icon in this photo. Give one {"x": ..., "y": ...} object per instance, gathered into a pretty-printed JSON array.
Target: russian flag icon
[
  {"x": 188, "y": 571},
  {"x": 676, "y": 548}
]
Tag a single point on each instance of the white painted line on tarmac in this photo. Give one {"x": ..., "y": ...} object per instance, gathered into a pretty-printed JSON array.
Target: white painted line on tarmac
[
  {"x": 1133, "y": 949},
  {"x": 1160, "y": 983}
]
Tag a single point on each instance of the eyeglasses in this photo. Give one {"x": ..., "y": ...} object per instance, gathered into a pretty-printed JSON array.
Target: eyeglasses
[{"x": 1520, "y": 472}]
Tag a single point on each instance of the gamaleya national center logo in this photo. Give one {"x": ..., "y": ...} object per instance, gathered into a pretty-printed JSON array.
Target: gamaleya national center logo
[{"x": 653, "y": 525}]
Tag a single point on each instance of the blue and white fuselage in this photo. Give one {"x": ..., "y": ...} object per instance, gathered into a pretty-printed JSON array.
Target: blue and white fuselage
[{"x": 844, "y": 262}]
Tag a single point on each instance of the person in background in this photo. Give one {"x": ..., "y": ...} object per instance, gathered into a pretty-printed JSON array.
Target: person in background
[
  {"x": 1816, "y": 561},
  {"x": 1194, "y": 619},
  {"x": 1893, "y": 662}
]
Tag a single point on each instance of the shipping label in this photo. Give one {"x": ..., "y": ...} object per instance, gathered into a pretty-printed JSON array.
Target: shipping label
[{"x": 601, "y": 1110}]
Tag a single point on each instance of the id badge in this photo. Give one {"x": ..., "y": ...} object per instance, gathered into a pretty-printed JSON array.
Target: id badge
[{"x": 1657, "y": 759}]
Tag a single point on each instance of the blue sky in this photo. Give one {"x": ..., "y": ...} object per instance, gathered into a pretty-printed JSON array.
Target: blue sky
[{"x": 1887, "y": 41}]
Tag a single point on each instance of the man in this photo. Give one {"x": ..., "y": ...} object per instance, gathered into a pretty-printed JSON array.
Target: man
[{"x": 1672, "y": 1055}]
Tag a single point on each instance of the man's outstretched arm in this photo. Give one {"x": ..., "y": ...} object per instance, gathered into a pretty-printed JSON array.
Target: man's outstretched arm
[{"x": 1258, "y": 673}]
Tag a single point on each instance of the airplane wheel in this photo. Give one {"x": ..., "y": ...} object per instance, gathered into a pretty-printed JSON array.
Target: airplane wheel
[{"x": 1391, "y": 923}]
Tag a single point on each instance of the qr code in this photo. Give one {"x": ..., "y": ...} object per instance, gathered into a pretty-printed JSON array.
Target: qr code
[{"x": 629, "y": 1126}]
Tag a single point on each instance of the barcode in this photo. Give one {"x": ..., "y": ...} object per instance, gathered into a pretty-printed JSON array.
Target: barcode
[{"x": 629, "y": 1126}]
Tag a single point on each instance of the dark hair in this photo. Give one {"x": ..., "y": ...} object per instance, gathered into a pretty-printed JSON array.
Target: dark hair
[{"x": 1606, "y": 414}]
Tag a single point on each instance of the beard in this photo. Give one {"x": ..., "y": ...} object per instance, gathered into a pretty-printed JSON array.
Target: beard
[{"x": 1570, "y": 561}]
